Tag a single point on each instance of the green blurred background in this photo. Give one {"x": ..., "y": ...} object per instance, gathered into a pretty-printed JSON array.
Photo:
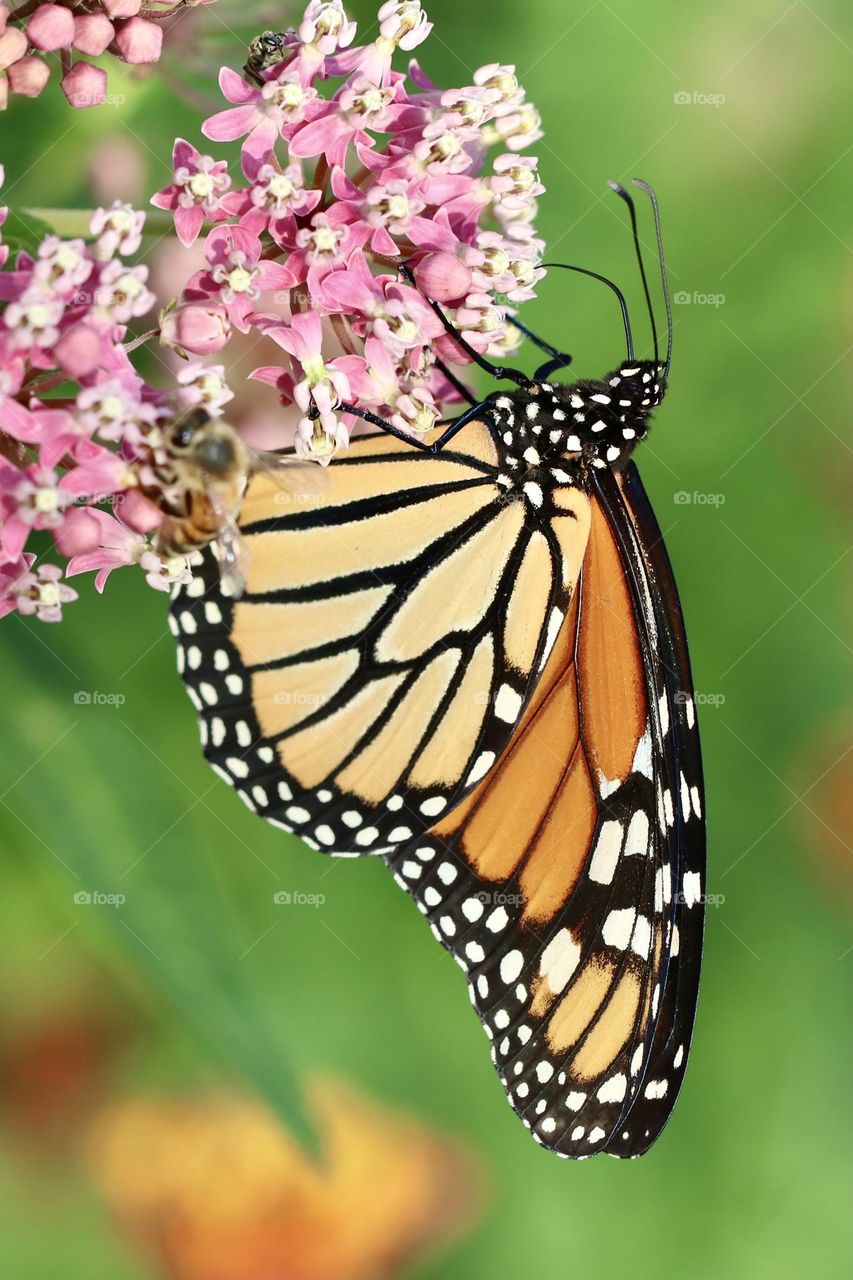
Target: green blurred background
[{"x": 753, "y": 1176}]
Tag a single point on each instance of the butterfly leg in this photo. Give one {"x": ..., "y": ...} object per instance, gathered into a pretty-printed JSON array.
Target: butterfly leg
[
  {"x": 453, "y": 425},
  {"x": 498, "y": 371},
  {"x": 456, "y": 383},
  {"x": 560, "y": 359}
]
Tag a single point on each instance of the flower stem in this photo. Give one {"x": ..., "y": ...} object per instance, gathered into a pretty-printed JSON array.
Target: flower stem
[{"x": 75, "y": 222}]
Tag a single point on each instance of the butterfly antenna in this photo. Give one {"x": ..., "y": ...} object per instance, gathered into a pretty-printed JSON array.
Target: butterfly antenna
[
  {"x": 650, "y": 192},
  {"x": 594, "y": 275},
  {"x": 623, "y": 195}
]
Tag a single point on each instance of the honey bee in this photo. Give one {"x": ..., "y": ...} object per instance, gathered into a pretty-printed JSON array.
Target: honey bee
[
  {"x": 264, "y": 52},
  {"x": 198, "y": 481}
]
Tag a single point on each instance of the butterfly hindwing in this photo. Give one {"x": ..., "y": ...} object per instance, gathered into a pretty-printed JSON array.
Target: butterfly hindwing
[
  {"x": 552, "y": 884},
  {"x": 392, "y": 631}
]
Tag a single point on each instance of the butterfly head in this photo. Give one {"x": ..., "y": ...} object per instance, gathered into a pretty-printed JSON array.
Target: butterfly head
[{"x": 606, "y": 419}]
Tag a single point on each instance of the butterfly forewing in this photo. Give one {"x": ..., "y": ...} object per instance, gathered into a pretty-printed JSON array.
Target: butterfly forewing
[
  {"x": 392, "y": 630},
  {"x": 683, "y": 812},
  {"x": 552, "y": 885}
]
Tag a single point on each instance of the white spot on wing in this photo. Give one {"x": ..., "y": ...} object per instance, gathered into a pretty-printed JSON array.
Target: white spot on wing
[
  {"x": 606, "y": 854},
  {"x": 507, "y": 704},
  {"x": 559, "y": 960},
  {"x": 618, "y": 928}
]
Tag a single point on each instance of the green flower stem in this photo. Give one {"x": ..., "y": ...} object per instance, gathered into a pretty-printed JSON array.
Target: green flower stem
[{"x": 75, "y": 222}]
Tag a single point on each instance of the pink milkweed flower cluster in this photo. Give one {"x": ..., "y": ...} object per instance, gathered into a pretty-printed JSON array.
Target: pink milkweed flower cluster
[
  {"x": 130, "y": 30},
  {"x": 81, "y": 431},
  {"x": 350, "y": 170}
]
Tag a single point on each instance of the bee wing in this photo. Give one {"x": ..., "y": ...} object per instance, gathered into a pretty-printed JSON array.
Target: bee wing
[
  {"x": 300, "y": 480},
  {"x": 229, "y": 547}
]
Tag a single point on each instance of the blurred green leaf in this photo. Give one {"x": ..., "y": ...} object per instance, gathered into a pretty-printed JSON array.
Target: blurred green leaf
[
  {"x": 23, "y": 232},
  {"x": 169, "y": 918}
]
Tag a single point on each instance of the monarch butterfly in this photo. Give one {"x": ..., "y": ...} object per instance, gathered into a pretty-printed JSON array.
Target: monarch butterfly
[{"x": 468, "y": 657}]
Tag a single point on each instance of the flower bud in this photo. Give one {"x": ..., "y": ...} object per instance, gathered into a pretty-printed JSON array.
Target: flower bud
[
  {"x": 51, "y": 27},
  {"x": 79, "y": 533},
  {"x": 139, "y": 41},
  {"x": 93, "y": 33},
  {"x": 201, "y": 330},
  {"x": 13, "y": 45},
  {"x": 78, "y": 352},
  {"x": 138, "y": 513},
  {"x": 28, "y": 76},
  {"x": 442, "y": 277},
  {"x": 121, "y": 8},
  {"x": 85, "y": 85}
]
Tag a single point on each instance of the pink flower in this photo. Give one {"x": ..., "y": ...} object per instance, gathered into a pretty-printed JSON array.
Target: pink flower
[
  {"x": 39, "y": 503},
  {"x": 322, "y": 387},
  {"x": 113, "y": 410},
  {"x": 273, "y": 201},
  {"x": 379, "y": 380},
  {"x": 41, "y": 594},
  {"x": 401, "y": 174},
  {"x": 118, "y": 230},
  {"x": 203, "y": 386},
  {"x": 62, "y": 266},
  {"x": 326, "y": 27},
  {"x": 122, "y": 293},
  {"x": 33, "y": 319},
  {"x": 199, "y": 183},
  {"x": 119, "y": 546},
  {"x": 238, "y": 274},
  {"x": 261, "y": 114},
  {"x": 402, "y": 24},
  {"x": 357, "y": 107}
]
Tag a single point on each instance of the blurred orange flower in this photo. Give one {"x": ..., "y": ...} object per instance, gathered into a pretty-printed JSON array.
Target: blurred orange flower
[
  {"x": 828, "y": 811},
  {"x": 216, "y": 1190}
]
